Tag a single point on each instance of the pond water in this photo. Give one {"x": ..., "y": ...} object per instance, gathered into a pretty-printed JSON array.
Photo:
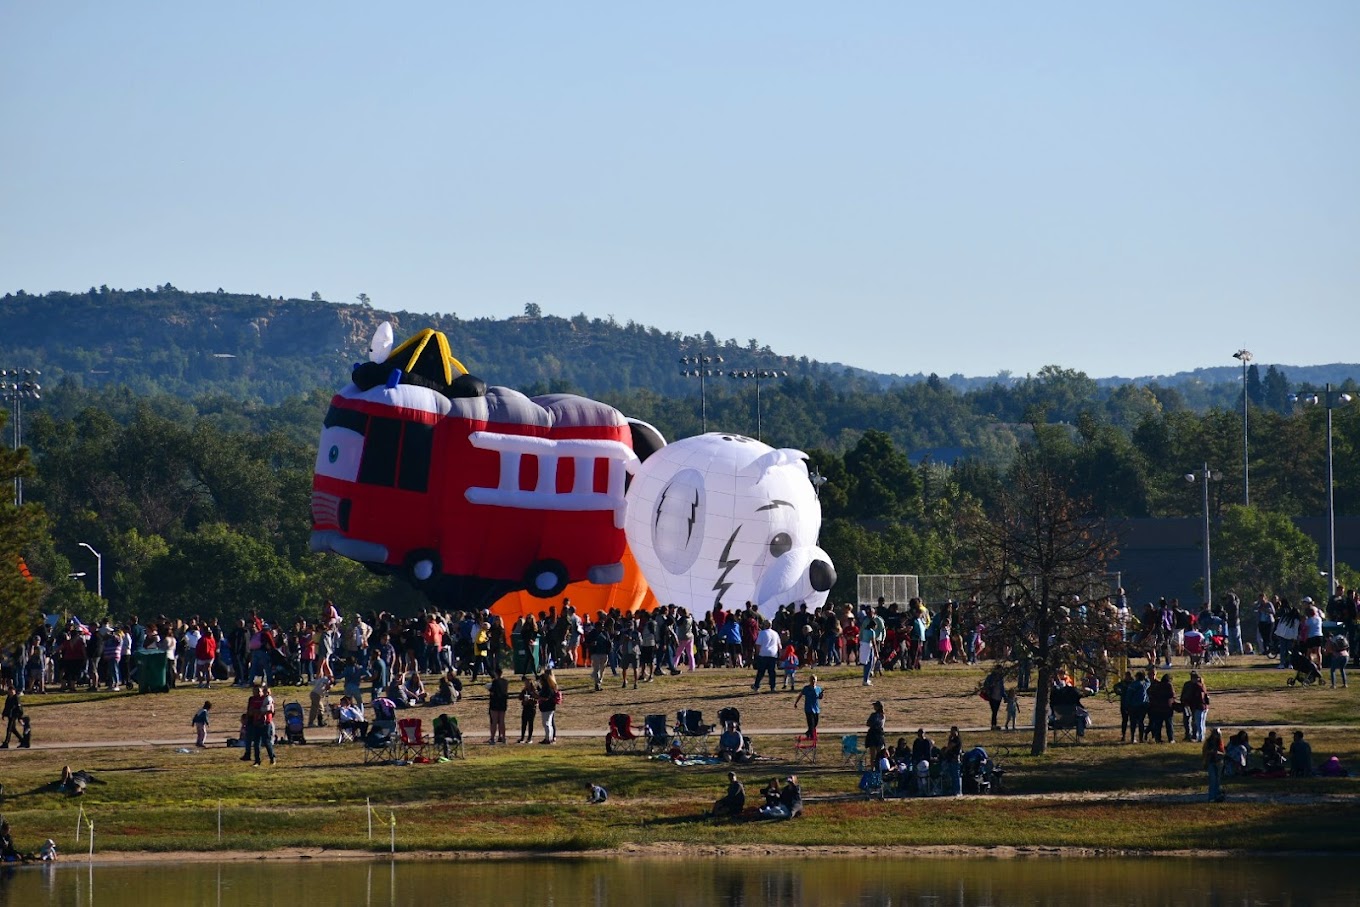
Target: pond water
[{"x": 876, "y": 882}]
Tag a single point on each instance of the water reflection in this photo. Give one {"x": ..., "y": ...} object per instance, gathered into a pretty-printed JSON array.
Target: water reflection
[{"x": 870, "y": 882}]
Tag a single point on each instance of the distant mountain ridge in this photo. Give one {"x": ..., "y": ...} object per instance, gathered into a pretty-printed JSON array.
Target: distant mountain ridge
[{"x": 189, "y": 343}]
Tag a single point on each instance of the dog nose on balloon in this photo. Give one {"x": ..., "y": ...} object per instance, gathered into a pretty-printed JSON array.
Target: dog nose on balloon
[{"x": 822, "y": 575}]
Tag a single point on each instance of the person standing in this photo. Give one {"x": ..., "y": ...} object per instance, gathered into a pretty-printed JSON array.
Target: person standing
[
  {"x": 13, "y": 713},
  {"x": 1212, "y": 753},
  {"x": 1133, "y": 700},
  {"x": 767, "y": 654},
  {"x": 1265, "y": 625},
  {"x": 1161, "y": 699},
  {"x": 1232, "y": 620},
  {"x": 994, "y": 691},
  {"x": 549, "y": 698},
  {"x": 599, "y": 644},
  {"x": 952, "y": 761},
  {"x": 868, "y": 648},
  {"x": 260, "y": 724},
  {"x": 874, "y": 738},
  {"x": 205, "y": 652},
  {"x": 528, "y": 707},
  {"x": 200, "y": 723},
  {"x": 811, "y": 697},
  {"x": 1195, "y": 700},
  {"x": 498, "y": 704}
]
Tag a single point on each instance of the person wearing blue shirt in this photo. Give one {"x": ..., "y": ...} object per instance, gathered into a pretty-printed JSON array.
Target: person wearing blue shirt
[{"x": 811, "y": 696}]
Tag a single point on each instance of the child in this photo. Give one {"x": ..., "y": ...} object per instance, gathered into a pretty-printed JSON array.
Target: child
[
  {"x": 1012, "y": 709},
  {"x": 200, "y": 723},
  {"x": 597, "y": 794},
  {"x": 789, "y": 662}
]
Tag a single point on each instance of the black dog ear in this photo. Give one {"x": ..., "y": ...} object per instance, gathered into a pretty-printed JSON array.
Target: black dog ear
[{"x": 646, "y": 439}]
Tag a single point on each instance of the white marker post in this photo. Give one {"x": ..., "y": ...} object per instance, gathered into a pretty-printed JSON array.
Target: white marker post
[
  {"x": 219, "y": 821},
  {"x": 393, "y": 821},
  {"x": 368, "y": 807}
]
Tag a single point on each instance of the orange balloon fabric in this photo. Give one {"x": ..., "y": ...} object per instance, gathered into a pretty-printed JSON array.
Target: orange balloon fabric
[{"x": 628, "y": 596}]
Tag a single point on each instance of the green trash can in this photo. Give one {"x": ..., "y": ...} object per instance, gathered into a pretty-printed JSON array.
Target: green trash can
[
  {"x": 152, "y": 665},
  {"x": 519, "y": 655}
]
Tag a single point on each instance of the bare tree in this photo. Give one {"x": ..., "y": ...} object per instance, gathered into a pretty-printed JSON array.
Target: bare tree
[{"x": 1040, "y": 564}]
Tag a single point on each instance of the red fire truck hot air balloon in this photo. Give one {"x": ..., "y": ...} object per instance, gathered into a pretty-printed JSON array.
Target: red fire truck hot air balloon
[{"x": 467, "y": 491}]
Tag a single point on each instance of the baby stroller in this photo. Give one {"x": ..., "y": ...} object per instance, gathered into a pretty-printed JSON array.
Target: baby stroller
[
  {"x": 977, "y": 771},
  {"x": 1305, "y": 672},
  {"x": 283, "y": 670},
  {"x": 293, "y": 723}
]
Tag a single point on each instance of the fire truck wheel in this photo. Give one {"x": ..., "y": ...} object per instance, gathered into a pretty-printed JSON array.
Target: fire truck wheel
[
  {"x": 422, "y": 567},
  {"x": 547, "y": 578}
]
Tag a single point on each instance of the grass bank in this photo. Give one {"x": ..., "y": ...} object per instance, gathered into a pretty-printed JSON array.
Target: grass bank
[{"x": 1100, "y": 795}]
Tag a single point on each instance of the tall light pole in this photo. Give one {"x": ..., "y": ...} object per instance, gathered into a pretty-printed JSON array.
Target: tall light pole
[
  {"x": 1205, "y": 476},
  {"x": 1245, "y": 356},
  {"x": 99, "y": 569},
  {"x": 1330, "y": 399},
  {"x": 16, "y": 386},
  {"x": 701, "y": 367},
  {"x": 757, "y": 374}
]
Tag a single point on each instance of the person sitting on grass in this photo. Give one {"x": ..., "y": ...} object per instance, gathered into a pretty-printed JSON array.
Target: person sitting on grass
[
  {"x": 1300, "y": 757},
  {"x": 1272, "y": 753},
  {"x": 450, "y": 689},
  {"x": 789, "y": 804},
  {"x": 414, "y": 689},
  {"x": 597, "y": 794},
  {"x": 734, "y": 801}
]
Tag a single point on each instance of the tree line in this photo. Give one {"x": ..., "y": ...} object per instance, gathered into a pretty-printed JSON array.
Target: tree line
[{"x": 203, "y": 506}]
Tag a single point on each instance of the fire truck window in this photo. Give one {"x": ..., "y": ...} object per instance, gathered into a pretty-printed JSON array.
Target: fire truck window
[
  {"x": 352, "y": 419},
  {"x": 379, "y": 466},
  {"x": 415, "y": 457}
]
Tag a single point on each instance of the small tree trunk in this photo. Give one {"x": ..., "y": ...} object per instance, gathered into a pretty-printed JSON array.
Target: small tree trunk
[{"x": 1039, "y": 745}]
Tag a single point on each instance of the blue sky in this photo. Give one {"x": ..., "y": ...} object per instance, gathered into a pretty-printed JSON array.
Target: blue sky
[{"x": 1125, "y": 189}]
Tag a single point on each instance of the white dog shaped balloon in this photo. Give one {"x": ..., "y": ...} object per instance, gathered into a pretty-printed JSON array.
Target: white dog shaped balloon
[{"x": 721, "y": 519}]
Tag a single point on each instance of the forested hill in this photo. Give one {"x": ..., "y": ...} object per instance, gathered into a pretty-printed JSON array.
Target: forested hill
[{"x": 190, "y": 344}]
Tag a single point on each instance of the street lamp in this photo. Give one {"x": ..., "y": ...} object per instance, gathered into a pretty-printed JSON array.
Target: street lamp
[
  {"x": 757, "y": 374},
  {"x": 99, "y": 569},
  {"x": 17, "y": 385},
  {"x": 700, "y": 367},
  {"x": 1205, "y": 476},
  {"x": 1245, "y": 356},
  {"x": 1330, "y": 399}
]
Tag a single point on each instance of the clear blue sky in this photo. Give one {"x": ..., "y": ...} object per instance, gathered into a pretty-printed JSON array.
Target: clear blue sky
[{"x": 1121, "y": 188}]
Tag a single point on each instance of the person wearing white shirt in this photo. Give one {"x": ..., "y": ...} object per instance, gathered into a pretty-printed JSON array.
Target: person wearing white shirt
[{"x": 767, "y": 654}]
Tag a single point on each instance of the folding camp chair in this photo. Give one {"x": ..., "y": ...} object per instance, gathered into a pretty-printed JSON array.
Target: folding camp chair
[
  {"x": 621, "y": 737},
  {"x": 414, "y": 744},
  {"x": 729, "y": 715},
  {"x": 850, "y": 751},
  {"x": 658, "y": 733},
  {"x": 1064, "y": 724},
  {"x": 690, "y": 723},
  {"x": 380, "y": 747},
  {"x": 871, "y": 782},
  {"x": 805, "y": 748}
]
